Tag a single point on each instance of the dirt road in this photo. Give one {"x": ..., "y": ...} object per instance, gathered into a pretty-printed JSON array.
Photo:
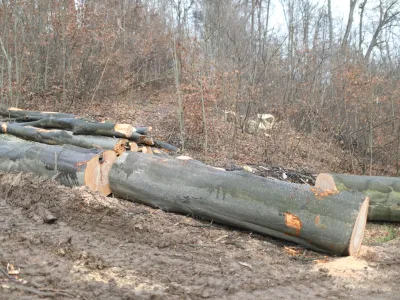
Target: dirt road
[{"x": 106, "y": 248}]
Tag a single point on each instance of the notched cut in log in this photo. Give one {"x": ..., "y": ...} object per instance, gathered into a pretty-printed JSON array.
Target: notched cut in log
[{"x": 293, "y": 221}]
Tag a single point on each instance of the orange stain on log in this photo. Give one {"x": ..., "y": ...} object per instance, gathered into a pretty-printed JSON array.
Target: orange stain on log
[
  {"x": 320, "y": 193},
  {"x": 318, "y": 224},
  {"x": 293, "y": 221},
  {"x": 14, "y": 108}
]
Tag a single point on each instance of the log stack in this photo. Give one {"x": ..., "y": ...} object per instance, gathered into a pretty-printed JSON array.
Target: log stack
[{"x": 125, "y": 161}]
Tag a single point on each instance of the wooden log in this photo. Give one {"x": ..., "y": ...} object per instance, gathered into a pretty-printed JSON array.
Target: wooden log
[
  {"x": 166, "y": 146},
  {"x": 13, "y": 112},
  {"x": 384, "y": 192},
  {"x": 68, "y": 165},
  {"x": 321, "y": 220},
  {"x": 84, "y": 127},
  {"x": 62, "y": 137}
]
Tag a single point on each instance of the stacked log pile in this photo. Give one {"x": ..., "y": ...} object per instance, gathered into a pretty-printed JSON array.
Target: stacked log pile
[{"x": 114, "y": 158}]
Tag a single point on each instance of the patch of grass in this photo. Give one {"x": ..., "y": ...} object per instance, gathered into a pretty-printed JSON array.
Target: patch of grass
[{"x": 389, "y": 234}]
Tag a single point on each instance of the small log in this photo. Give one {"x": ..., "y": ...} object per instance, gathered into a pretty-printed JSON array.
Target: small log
[
  {"x": 62, "y": 137},
  {"x": 68, "y": 165},
  {"x": 321, "y": 220},
  {"x": 83, "y": 127},
  {"x": 20, "y": 114},
  {"x": 166, "y": 146},
  {"x": 384, "y": 192}
]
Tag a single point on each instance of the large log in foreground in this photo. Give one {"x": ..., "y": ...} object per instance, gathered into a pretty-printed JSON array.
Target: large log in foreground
[
  {"x": 68, "y": 165},
  {"x": 384, "y": 192},
  {"x": 321, "y": 220},
  {"x": 62, "y": 137}
]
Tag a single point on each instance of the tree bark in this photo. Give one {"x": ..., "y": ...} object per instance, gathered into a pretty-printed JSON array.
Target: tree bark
[
  {"x": 83, "y": 127},
  {"x": 13, "y": 112},
  {"x": 384, "y": 192},
  {"x": 320, "y": 220},
  {"x": 68, "y": 165},
  {"x": 62, "y": 137}
]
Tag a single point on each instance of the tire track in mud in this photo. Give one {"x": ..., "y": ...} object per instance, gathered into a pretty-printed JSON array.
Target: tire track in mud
[{"x": 106, "y": 248}]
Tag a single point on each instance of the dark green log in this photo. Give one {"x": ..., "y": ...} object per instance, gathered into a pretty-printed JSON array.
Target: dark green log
[
  {"x": 68, "y": 165},
  {"x": 166, "y": 146},
  {"x": 62, "y": 137},
  {"x": 384, "y": 192},
  {"x": 332, "y": 223},
  {"x": 83, "y": 127},
  {"x": 13, "y": 112}
]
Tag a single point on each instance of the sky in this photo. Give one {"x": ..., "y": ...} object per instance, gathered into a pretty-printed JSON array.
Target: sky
[{"x": 340, "y": 11}]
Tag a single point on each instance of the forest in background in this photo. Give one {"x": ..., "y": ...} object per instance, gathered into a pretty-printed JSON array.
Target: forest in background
[{"x": 318, "y": 76}]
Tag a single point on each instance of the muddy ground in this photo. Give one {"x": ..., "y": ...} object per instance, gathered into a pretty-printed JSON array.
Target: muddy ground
[{"x": 107, "y": 248}]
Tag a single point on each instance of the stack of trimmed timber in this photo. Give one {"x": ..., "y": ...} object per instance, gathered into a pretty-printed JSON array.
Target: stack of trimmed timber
[{"x": 82, "y": 152}]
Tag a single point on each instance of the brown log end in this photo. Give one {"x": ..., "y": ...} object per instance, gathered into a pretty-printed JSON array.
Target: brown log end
[
  {"x": 125, "y": 129},
  {"x": 134, "y": 147},
  {"x": 149, "y": 150},
  {"x": 97, "y": 169},
  {"x": 325, "y": 182},
  {"x": 359, "y": 228},
  {"x": 3, "y": 127},
  {"x": 147, "y": 141},
  {"x": 120, "y": 146}
]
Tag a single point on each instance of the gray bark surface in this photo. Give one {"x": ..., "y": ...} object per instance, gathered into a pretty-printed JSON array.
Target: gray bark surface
[{"x": 292, "y": 212}]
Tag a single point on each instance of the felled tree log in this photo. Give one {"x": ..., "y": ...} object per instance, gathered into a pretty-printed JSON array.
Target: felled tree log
[
  {"x": 13, "y": 112},
  {"x": 166, "y": 146},
  {"x": 68, "y": 165},
  {"x": 321, "y": 220},
  {"x": 62, "y": 137},
  {"x": 384, "y": 192},
  {"x": 82, "y": 127}
]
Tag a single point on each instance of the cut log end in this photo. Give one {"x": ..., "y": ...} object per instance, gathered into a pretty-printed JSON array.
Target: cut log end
[
  {"x": 325, "y": 182},
  {"x": 125, "y": 129},
  {"x": 96, "y": 173},
  {"x": 134, "y": 147},
  {"x": 3, "y": 127},
  {"x": 358, "y": 229},
  {"x": 120, "y": 147}
]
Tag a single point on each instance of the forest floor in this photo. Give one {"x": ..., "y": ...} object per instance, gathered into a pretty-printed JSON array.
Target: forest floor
[{"x": 107, "y": 248}]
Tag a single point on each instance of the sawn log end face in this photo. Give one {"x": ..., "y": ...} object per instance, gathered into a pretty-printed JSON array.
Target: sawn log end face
[
  {"x": 3, "y": 127},
  {"x": 326, "y": 182},
  {"x": 358, "y": 229},
  {"x": 124, "y": 129},
  {"x": 97, "y": 170}
]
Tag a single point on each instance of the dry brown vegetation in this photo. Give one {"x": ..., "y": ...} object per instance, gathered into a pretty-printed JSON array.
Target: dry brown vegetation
[
  {"x": 177, "y": 65},
  {"x": 334, "y": 91}
]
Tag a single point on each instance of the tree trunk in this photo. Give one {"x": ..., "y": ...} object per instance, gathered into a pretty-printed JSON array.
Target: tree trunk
[
  {"x": 83, "y": 127},
  {"x": 384, "y": 192},
  {"x": 321, "y": 220},
  {"x": 62, "y": 137},
  {"x": 68, "y": 165},
  {"x": 13, "y": 112}
]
